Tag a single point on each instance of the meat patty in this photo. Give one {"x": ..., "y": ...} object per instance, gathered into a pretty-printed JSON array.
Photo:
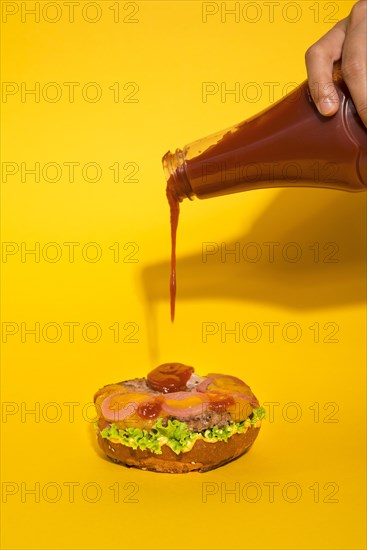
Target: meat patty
[{"x": 206, "y": 420}]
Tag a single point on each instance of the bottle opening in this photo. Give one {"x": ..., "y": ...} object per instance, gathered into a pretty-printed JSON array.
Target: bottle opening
[{"x": 174, "y": 166}]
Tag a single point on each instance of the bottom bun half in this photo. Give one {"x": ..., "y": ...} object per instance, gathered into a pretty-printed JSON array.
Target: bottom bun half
[{"x": 201, "y": 458}]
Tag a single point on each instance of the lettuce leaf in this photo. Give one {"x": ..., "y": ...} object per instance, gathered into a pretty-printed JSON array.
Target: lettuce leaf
[
  {"x": 176, "y": 434},
  {"x": 258, "y": 414}
]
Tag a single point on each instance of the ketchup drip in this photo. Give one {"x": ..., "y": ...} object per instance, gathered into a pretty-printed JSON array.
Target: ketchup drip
[
  {"x": 220, "y": 402},
  {"x": 174, "y": 214},
  {"x": 149, "y": 409}
]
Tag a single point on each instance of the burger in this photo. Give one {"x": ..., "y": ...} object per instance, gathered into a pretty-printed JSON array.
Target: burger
[{"x": 175, "y": 421}]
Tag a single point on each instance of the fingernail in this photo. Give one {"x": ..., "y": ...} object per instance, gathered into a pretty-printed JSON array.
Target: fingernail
[{"x": 328, "y": 106}]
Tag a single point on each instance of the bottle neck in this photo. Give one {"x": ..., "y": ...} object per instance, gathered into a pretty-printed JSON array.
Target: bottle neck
[{"x": 176, "y": 177}]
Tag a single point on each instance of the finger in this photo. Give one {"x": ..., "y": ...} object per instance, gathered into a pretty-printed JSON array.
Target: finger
[
  {"x": 354, "y": 62},
  {"x": 320, "y": 59}
]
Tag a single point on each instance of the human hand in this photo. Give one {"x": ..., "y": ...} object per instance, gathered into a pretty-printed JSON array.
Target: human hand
[{"x": 347, "y": 41}]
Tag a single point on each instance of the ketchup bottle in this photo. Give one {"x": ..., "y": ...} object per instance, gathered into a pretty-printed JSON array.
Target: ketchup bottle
[{"x": 289, "y": 144}]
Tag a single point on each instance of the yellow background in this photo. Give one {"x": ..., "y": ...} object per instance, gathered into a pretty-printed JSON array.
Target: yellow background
[{"x": 169, "y": 52}]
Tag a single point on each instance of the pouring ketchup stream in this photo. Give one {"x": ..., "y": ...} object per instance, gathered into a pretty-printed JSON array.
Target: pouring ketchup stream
[{"x": 174, "y": 214}]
